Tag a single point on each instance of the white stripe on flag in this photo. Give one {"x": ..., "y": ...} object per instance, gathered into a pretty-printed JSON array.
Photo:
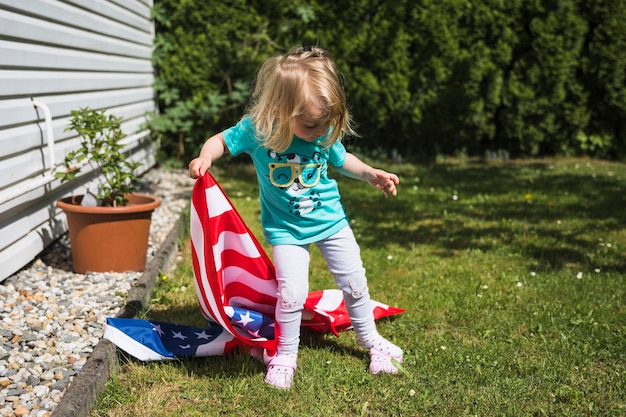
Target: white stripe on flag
[
  {"x": 241, "y": 243},
  {"x": 331, "y": 300},
  {"x": 131, "y": 346},
  {"x": 218, "y": 203},
  {"x": 234, "y": 274}
]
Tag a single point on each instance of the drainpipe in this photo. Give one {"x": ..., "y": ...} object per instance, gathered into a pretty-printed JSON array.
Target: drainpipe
[
  {"x": 49, "y": 134},
  {"x": 22, "y": 188}
]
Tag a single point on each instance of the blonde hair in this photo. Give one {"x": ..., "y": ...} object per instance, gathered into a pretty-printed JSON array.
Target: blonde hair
[{"x": 299, "y": 81}]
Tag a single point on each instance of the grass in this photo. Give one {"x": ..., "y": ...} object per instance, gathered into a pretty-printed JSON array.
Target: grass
[{"x": 513, "y": 277}]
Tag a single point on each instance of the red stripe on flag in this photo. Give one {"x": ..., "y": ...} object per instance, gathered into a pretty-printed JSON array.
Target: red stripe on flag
[
  {"x": 254, "y": 267},
  {"x": 244, "y": 296},
  {"x": 223, "y": 230},
  {"x": 208, "y": 281}
]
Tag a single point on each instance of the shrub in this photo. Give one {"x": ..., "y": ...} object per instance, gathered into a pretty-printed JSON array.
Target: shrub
[{"x": 422, "y": 77}]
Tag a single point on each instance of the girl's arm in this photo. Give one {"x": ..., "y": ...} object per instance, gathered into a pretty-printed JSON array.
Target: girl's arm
[
  {"x": 211, "y": 151},
  {"x": 385, "y": 181}
]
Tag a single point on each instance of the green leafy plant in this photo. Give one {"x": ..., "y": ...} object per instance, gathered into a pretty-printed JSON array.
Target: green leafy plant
[{"x": 101, "y": 149}]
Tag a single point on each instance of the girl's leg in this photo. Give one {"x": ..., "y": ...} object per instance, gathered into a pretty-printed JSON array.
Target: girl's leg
[
  {"x": 343, "y": 255},
  {"x": 292, "y": 274}
]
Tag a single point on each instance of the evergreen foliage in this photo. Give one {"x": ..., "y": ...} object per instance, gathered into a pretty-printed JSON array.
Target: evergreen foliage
[{"x": 422, "y": 77}]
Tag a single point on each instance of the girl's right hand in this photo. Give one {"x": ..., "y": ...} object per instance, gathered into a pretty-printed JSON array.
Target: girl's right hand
[
  {"x": 198, "y": 167},
  {"x": 211, "y": 151}
]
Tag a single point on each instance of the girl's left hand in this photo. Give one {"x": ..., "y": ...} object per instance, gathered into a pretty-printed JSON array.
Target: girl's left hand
[{"x": 384, "y": 181}]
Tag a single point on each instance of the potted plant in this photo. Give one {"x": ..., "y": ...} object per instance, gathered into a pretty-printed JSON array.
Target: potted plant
[{"x": 109, "y": 228}]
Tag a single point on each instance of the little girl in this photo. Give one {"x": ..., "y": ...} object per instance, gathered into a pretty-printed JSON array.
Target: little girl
[{"x": 297, "y": 118}]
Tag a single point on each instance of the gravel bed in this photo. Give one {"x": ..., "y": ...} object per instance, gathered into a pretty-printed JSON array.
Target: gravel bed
[{"x": 52, "y": 318}]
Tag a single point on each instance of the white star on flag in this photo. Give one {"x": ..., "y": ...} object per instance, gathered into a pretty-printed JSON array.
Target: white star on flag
[
  {"x": 203, "y": 335},
  {"x": 178, "y": 335},
  {"x": 245, "y": 319},
  {"x": 157, "y": 329}
]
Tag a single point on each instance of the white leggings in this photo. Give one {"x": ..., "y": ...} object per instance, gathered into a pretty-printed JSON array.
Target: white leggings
[{"x": 343, "y": 256}]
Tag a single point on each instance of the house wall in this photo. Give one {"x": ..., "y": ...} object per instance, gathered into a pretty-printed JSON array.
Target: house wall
[{"x": 65, "y": 54}]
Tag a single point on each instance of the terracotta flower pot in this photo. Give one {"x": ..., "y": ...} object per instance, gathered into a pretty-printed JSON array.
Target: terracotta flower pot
[{"x": 109, "y": 238}]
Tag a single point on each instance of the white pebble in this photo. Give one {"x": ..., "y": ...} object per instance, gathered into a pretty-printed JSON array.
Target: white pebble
[
  {"x": 47, "y": 376},
  {"x": 40, "y": 390}
]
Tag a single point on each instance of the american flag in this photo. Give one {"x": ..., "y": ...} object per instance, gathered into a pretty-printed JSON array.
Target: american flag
[{"x": 236, "y": 289}]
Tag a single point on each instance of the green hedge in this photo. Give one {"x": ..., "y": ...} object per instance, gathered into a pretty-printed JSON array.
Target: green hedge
[{"x": 423, "y": 78}]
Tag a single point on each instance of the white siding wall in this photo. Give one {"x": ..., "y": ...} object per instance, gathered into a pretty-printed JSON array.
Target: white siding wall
[{"x": 65, "y": 54}]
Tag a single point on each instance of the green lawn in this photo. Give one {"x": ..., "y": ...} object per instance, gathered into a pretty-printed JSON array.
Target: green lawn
[{"x": 513, "y": 278}]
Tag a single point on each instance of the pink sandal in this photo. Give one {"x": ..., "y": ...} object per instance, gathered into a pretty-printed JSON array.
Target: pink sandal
[
  {"x": 383, "y": 363},
  {"x": 382, "y": 353},
  {"x": 280, "y": 371}
]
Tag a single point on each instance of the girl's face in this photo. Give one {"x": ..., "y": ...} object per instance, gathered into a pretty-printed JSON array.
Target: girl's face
[{"x": 310, "y": 125}]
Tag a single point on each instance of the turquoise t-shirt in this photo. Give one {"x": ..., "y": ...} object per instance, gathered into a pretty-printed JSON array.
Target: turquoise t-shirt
[{"x": 299, "y": 203}]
